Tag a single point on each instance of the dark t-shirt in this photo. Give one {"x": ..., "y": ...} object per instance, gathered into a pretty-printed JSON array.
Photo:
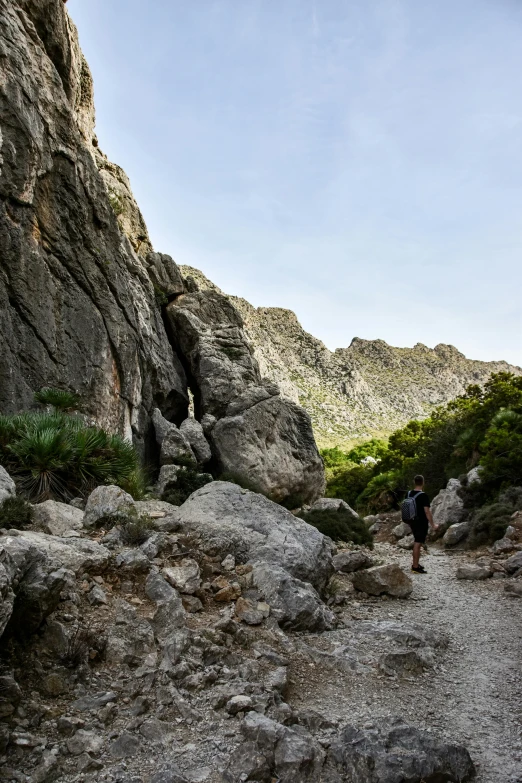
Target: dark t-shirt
[{"x": 422, "y": 501}]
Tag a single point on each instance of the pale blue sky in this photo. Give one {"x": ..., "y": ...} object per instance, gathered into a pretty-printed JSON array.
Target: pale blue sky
[{"x": 357, "y": 162}]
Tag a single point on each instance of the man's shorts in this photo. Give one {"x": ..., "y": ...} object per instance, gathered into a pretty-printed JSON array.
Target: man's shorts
[{"x": 419, "y": 530}]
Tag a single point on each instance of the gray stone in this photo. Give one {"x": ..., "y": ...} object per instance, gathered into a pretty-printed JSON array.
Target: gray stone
[
  {"x": 162, "y": 427},
  {"x": 57, "y": 518},
  {"x": 133, "y": 561},
  {"x": 75, "y": 554},
  {"x": 239, "y": 704},
  {"x": 406, "y": 662},
  {"x": 333, "y": 504},
  {"x": 94, "y": 702},
  {"x": 168, "y": 475},
  {"x": 158, "y": 589},
  {"x": 407, "y": 542},
  {"x": 513, "y": 563},
  {"x": 511, "y": 532},
  {"x": 348, "y": 561},
  {"x": 169, "y": 775},
  {"x": 130, "y": 638},
  {"x": 401, "y": 530},
  {"x": 192, "y": 431},
  {"x": 295, "y": 604},
  {"x": 232, "y": 520},
  {"x": 447, "y": 507},
  {"x": 126, "y": 745},
  {"x": 184, "y": 576},
  {"x": 175, "y": 450},
  {"x": 391, "y": 751},
  {"x": 7, "y": 485},
  {"x": 84, "y": 742},
  {"x": 474, "y": 475},
  {"x": 169, "y": 616},
  {"x": 502, "y": 546},
  {"x": 97, "y": 596},
  {"x": 456, "y": 533},
  {"x": 469, "y": 571},
  {"x": 10, "y": 695},
  {"x": 389, "y": 579},
  {"x": 106, "y": 506},
  {"x": 514, "y": 588}
]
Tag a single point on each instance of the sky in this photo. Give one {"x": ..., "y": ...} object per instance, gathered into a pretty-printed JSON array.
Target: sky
[{"x": 359, "y": 163}]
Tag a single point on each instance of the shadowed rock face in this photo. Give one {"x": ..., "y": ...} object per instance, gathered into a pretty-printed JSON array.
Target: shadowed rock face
[{"x": 83, "y": 295}]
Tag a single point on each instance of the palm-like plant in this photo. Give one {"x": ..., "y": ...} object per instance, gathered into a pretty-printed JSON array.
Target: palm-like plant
[{"x": 59, "y": 399}]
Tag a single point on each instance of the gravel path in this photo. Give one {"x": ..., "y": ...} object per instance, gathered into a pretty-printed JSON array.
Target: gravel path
[{"x": 473, "y": 693}]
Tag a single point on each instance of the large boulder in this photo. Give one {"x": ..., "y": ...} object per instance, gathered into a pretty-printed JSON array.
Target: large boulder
[
  {"x": 391, "y": 751},
  {"x": 456, "y": 533},
  {"x": 513, "y": 563},
  {"x": 7, "y": 485},
  {"x": 256, "y": 435},
  {"x": 56, "y": 518},
  {"x": 472, "y": 571},
  {"x": 447, "y": 507},
  {"x": 333, "y": 504},
  {"x": 389, "y": 579},
  {"x": 232, "y": 520}
]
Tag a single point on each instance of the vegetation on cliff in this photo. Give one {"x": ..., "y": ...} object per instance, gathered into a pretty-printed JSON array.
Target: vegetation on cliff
[{"x": 482, "y": 427}]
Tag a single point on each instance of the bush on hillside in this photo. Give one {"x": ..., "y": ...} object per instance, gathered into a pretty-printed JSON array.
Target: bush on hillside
[
  {"x": 55, "y": 455},
  {"x": 340, "y": 525},
  {"x": 489, "y": 523},
  {"x": 59, "y": 399},
  {"x": 135, "y": 529},
  {"x": 187, "y": 481},
  {"x": 16, "y": 512}
]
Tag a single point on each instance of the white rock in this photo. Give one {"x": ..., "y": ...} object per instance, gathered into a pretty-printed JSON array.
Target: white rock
[
  {"x": 407, "y": 542},
  {"x": 455, "y": 533},
  {"x": 469, "y": 571},
  {"x": 192, "y": 431},
  {"x": 229, "y": 563},
  {"x": 332, "y": 504},
  {"x": 401, "y": 530},
  {"x": 447, "y": 507}
]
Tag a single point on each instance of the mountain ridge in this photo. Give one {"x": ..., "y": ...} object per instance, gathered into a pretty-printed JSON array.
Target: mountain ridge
[{"x": 353, "y": 393}]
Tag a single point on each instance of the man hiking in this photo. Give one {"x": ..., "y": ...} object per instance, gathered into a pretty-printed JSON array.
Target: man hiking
[{"x": 418, "y": 516}]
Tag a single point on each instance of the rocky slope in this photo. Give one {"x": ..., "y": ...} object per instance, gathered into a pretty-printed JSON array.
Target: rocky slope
[
  {"x": 87, "y": 305},
  {"x": 367, "y": 389}
]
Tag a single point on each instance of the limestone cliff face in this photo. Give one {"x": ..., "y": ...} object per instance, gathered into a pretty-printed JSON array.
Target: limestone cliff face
[
  {"x": 369, "y": 388},
  {"x": 77, "y": 302},
  {"x": 85, "y": 302}
]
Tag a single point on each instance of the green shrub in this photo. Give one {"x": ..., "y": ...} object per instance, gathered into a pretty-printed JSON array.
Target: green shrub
[
  {"x": 136, "y": 529},
  {"x": 59, "y": 399},
  {"x": 54, "y": 455},
  {"x": 340, "y": 525},
  {"x": 15, "y": 512},
  {"x": 187, "y": 481},
  {"x": 489, "y": 523}
]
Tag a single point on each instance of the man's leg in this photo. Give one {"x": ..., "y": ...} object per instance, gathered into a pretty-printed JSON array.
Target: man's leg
[{"x": 416, "y": 554}]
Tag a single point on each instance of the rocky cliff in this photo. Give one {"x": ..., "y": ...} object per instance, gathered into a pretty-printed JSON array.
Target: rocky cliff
[
  {"x": 367, "y": 389},
  {"x": 87, "y": 305}
]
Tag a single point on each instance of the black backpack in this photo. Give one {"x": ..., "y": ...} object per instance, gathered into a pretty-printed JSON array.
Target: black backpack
[{"x": 409, "y": 506}]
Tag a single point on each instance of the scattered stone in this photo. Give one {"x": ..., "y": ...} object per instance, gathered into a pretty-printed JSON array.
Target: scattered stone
[
  {"x": 185, "y": 576},
  {"x": 229, "y": 593},
  {"x": 191, "y": 604},
  {"x": 514, "y": 588},
  {"x": 294, "y": 603},
  {"x": 511, "y": 532},
  {"x": 239, "y": 704},
  {"x": 126, "y": 745},
  {"x": 407, "y": 542},
  {"x": 168, "y": 476},
  {"x": 406, "y": 662},
  {"x": 513, "y": 563},
  {"x": 456, "y": 533},
  {"x": 133, "y": 561},
  {"x": 469, "y": 571},
  {"x": 158, "y": 589},
  {"x": 57, "y": 519},
  {"x": 94, "y": 701},
  {"x": 106, "y": 506},
  {"x": 84, "y": 741},
  {"x": 348, "y": 561},
  {"x": 389, "y": 579},
  {"x": 251, "y": 612},
  {"x": 392, "y": 751},
  {"x": 502, "y": 546},
  {"x": 401, "y": 530},
  {"x": 176, "y": 450},
  {"x": 229, "y": 563}
]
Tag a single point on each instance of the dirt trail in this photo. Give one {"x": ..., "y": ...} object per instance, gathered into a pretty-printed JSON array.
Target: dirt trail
[{"x": 473, "y": 693}]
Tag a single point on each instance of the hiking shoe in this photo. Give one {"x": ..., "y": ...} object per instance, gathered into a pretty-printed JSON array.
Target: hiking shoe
[{"x": 419, "y": 570}]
